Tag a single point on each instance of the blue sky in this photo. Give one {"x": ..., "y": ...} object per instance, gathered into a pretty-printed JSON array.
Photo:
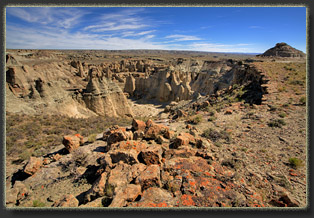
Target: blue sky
[{"x": 213, "y": 29}]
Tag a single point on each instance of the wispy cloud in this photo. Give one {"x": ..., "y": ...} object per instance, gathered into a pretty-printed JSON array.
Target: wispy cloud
[
  {"x": 215, "y": 47},
  {"x": 256, "y": 27},
  {"x": 32, "y": 38},
  {"x": 127, "y": 19},
  {"x": 56, "y": 17},
  {"x": 178, "y": 37},
  {"x": 131, "y": 33}
]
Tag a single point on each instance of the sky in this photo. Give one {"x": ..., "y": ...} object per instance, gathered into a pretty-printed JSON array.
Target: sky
[{"x": 211, "y": 29}]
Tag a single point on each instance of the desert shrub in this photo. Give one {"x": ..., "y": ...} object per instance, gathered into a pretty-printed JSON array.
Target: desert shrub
[
  {"x": 25, "y": 155},
  {"x": 212, "y": 118},
  {"x": 28, "y": 135},
  {"x": 195, "y": 119},
  {"x": 37, "y": 203},
  {"x": 295, "y": 162},
  {"x": 296, "y": 82},
  {"x": 215, "y": 135},
  {"x": 272, "y": 108},
  {"x": 276, "y": 123},
  {"x": 92, "y": 138},
  {"x": 211, "y": 111},
  {"x": 282, "y": 114},
  {"x": 282, "y": 89},
  {"x": 302, "y": 100}
]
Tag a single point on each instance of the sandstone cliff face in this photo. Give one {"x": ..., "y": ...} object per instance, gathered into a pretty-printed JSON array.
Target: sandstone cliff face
[
  {"x": 48, "y": 87},
  {"x": 283, "y": 50},
  {"x": 189, "y": 79},
  {"x": 103, "y": 96}
]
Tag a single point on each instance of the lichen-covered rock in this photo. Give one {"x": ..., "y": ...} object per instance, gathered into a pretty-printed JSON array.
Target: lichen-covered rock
[
  {"x": 118, "y": 178},
  {"x": 150, "y": 177},
  {"x": 72, "y": 142},
  {"x": 151, "y": 155}
]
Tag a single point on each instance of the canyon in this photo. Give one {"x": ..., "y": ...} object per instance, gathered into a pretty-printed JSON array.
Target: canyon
[{"x": 174, "y": 128}]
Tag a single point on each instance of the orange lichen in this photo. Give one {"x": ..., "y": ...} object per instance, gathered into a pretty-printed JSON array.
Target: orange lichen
[{"x": 187, "y": 200}]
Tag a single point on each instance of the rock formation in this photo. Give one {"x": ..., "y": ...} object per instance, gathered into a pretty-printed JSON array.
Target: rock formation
[
  {"x": 189, "y": 80},
  {"x": 283, "y": 50},
  {"x": 104, "y": 97}
]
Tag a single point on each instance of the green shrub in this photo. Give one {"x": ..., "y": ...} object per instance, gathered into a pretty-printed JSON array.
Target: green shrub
[
  {"x": 211, "y": 112},
  {"x": 282, "y": 114},
  {"x": 92, "y": 138},
  {"x": 195, "y": 119},
  {"x": 302, "y": 100},
  {"x": 214, "y": 135},
  {"x": 276, "y": 123},
  {"x": 37, "y": 203},
  {"x": 212, "y": 118},
  {"x": 295, "y": 162}
]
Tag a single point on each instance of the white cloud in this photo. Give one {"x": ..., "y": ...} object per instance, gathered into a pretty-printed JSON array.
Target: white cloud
[
  {"x": 57, "y": 17},
  {"x": 256, "y": 27},
  {"x": 36, "y": 39},
  {"x": 215, "y": 47},
  {"x": 127, "y": 19},
  {"x": 131, "y": 33},
  {"x": 178, "y": 37}
]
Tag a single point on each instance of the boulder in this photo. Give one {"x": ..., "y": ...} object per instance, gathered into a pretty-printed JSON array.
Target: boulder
[
  {"x": 153, "y": 130},
  {"x": 182, "y": 151},
  {"x": 66, "y": 201},
  {"x": 117, "y": 136},
  {"x": 155, "y": 197},
  {"x": 72, "y": 142},
  {"x": 138, "y": 135},
  {"x": 127, "y": 156},
  {"x": 125, "y": 195},
  {"x": 138, "y": 125},
  {"x": 151, "y": 155},
  {"x": 184, "y": 139},
  {"x": 150, "y": 177},
  {"x": 33, "y": 165},
  {"x": 19, "y": 192},
  {"x": 118, "y": 178},
  {"x": 98, "y": 189}
]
